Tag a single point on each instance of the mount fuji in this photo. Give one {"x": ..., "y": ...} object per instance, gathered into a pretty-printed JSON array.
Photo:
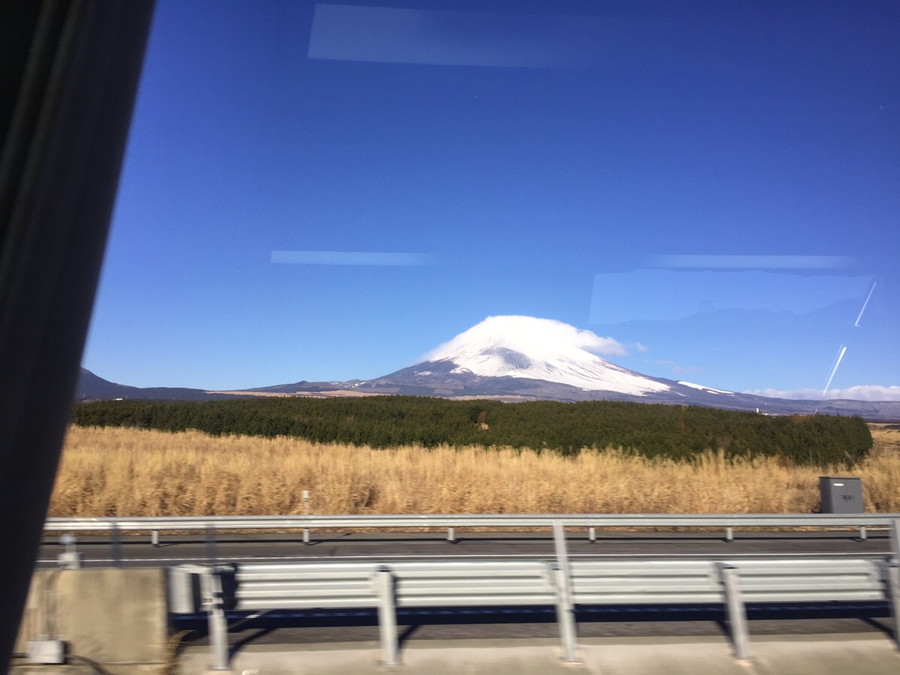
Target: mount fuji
[
  {"x": 521, "y": 358},
  {"x": 540, "y": 349}
]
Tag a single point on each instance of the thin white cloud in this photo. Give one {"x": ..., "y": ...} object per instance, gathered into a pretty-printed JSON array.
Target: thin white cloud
[
  {"x": 350, "y": 258},
  {"x": 426, "y": 36},
  {"x": 596, "y": 344},
  {"x": 863, "y": 392},
  {"x": 753, "y": 262}
]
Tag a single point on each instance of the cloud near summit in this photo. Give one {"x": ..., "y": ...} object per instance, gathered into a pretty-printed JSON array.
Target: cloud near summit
[
  {"x": 590, "y": 341},
  {"x": 527, "y": 331}
]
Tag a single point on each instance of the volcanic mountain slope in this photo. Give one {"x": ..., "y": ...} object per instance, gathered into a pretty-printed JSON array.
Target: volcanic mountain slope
[
  {"x": 540, "y": 349},
  {"x": 526, "y": 358},
  {"x": 532, "y": 358}
]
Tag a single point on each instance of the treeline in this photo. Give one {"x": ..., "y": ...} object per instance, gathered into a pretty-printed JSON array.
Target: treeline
[{"x": 678, "y": 432}]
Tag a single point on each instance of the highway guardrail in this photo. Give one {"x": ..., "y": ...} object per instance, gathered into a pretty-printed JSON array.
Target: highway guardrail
[
  {"x": 555, "y": 582},
  {"x": 591, "y": 522}
]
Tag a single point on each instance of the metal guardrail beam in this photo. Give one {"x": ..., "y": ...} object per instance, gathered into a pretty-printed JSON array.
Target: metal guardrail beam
[
  {"x": 602, "y": 520},
  {"x": 211, "y": 525},
  {"x": 730, "y": 583}
]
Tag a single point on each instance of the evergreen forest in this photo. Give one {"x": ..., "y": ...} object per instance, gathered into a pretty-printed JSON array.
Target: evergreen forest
[{"x": 677, "y": 432}]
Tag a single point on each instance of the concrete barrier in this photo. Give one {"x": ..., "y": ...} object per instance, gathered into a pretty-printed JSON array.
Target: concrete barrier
[{"x": 116, "y": 619}]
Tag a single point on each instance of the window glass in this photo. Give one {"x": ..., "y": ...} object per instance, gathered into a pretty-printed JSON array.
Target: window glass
[{"x": 318, "y": 191}]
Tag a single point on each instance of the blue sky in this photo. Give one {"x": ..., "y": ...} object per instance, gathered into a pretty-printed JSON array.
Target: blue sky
[{"x": 316, "y": 191}]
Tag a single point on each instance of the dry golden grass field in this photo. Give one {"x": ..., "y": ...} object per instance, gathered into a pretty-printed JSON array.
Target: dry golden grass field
[{"x": 130, "y": 472}]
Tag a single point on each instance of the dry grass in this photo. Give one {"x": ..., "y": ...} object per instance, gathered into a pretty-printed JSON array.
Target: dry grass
[{"x": 130, "y": 472}]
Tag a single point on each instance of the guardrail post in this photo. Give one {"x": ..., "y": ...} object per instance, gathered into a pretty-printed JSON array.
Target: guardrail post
[
  {"x": 387, "y": 616},
  {"x": 71, "y": 558},
  {"x": 215, "y": 612},
  {"x": 895, "y": 539},
  {"x": 154, "y": 537},
  {"x": 737, "y": 614},
  {"x": 115, "y": 537},
  {"x": 305, "y": 535},
  {"x": 729, "y": 533},
  {"x": 211, "y": 555},
  {"x": 451, "y": 535},
  {"x": 894, "y": 578},
  {"x": 592, "y": 534},
  {"x": 565, "y": 606},
  {"x": 863, "y": 535},
  {"x": 565, "y": 615},
  {"x": 559, "y": 541},
  {"x": 893, "y": 571}
]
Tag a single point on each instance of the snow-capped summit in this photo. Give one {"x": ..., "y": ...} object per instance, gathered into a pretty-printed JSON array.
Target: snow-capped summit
[{"x": 541, "y": 349}]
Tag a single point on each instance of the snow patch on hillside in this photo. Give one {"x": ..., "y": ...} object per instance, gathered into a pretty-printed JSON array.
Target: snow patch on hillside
[{"x": 542, "y": 349}]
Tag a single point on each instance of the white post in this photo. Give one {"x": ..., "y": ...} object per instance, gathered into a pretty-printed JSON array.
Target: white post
[
  {"x": 895, "y": 539},
  {"x": 218, "y": 626},
  {"x": 306, "y": 513},
  {"x": 894, "y": 589},
  {"x": 565, "y": 605},
  {"x": 565, "y": 615},
  {"x": 737, "y": 614},
  {"x": 894, "y": 578},
  {"x": 387, "y": 616},
  {"x": 71, "y": 558},
  {"x": 559, "y": 541}
]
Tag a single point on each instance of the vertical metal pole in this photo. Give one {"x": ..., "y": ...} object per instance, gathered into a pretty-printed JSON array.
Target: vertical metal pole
[
  {"x": 559, "y": 541},
  {"x": 565, "y": 616},
  {"x": 71, "y": 559},
  {"x": 211, "y": 555},
  {"x": 306, "y": 513},
  {"x": 894, "y": 589},
  {"x": 451, "y": 534},
  {"x": 737, "y": 614},
  {"x": 218, "y": 626},
  {"x": 387, "y": 616},
  {"x": 894, "y": 578},
  {"x": 592, "y": 534},
  {"x": 116, "y": 543},
  {"x": 565, "y": 605},
  {"x": 895, "y": 539},
  {"x": 729, "y": 534},
  {"x": 154, "y": 537},
  {"x": 863, "y": 535}
]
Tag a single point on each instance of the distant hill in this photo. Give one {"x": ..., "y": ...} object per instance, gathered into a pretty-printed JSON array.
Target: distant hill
[{"x": 94, "y": 388}]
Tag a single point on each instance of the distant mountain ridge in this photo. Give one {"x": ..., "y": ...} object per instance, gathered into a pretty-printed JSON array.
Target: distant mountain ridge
[
  {"x": 518, "y": 358},
  {"x": 93, "y": 388}
]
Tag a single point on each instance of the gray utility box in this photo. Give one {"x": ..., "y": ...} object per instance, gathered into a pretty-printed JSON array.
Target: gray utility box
[{"x": 841, "y": 495}]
